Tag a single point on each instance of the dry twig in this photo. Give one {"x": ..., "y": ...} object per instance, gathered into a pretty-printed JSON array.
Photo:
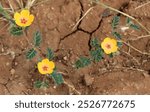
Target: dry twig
[
  {"x": 140, "y": 37},
  {"x": 142, "y": 5},
  {"x": 82, "y": 18},
  {"x": 72, "y": 87},
  {"x": 144, "y": 53}
]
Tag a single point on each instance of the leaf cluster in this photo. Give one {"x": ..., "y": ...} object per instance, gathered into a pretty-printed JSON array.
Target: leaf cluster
[
  {"x": 41, "y": 84},
  {"x": 115, "y": 23},
  {"x": 96, "y": 55},
  {"x": 57, "y": 77},
  {"x": 37, "y": 39}
]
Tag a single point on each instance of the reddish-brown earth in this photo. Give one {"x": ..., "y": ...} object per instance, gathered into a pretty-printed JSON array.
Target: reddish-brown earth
[{"x": 55, "y": 19}]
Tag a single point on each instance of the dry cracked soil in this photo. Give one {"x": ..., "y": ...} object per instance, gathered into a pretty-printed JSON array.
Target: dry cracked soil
[{"x": 127, "y": 73}]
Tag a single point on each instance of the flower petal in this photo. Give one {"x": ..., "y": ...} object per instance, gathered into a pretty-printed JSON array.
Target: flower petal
[
  {"x": 50, "y": 71},
  {"x": 17, "y": 16},
  {"x": 114, "y": 42},
  {"x": 103, "y": 45},
  {"x": 107, "y": 39},
  {"x": 18, "y": 22},
  {"x": 45, "y": 61},
  {"x": 31, "y": 18},
  {"x": 51, "y": 64},
  {"x": 40, "y": 68},
  {"x": 25, "y": 13},
  {"x": 114, "y": 49},
  {"x": 108, "y": 51}
]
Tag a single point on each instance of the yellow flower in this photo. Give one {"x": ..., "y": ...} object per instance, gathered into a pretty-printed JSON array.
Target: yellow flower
[
  {"x": 24, "y": 18},
  {"x": 109, "y": 45},
  {"x": 46, "y": 66}
]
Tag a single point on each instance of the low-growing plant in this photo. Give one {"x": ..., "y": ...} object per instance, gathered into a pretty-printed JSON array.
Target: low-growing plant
[
  {"x": 19, "y": 21},
  {"x": 128, "y": 24},
  {"x": 109, "y": 46},
  {"x": 46, "y": 65}
]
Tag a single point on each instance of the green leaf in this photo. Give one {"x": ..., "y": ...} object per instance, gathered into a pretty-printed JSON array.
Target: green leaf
[
  {"x": 115, "y": 22},
  {"x": 1, "y": 9},
  {"x": 58, "y": 78},
  {"x": 4, "y": 13},
  {"x": 16, "y": 30},
  {"x": 37, "y": 84},
  {"x": 117, "y": 35},
  {"x": 82, "y": 62},
  {"x": 135, "y": 27},
  {"x": 97, "y": 55},
  {"x": 50, "y": 54},
  {"x": 128, "y": 21},
  {"x": 41, "y": 84},
  {"x": 111, "y": 55},
  {"x": 45, "y": 84},
  {"x": 31, "y": 54},
  {"x": 119, "y": 44},
  {"x": 37, "y": 39},
  {"x": 131, "y": 24},
  {"x": 95, "y": 43}
]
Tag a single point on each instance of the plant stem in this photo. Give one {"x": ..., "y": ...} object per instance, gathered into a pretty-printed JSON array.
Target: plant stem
[
  {"x": 130, "y": 56},
  {"x": 142, "y": 5},
  {"x": 141, "y": 37},
  {"x": 144, "y": 53},
  {"x": 82, "y": 18},
  {"x": 72, "y": 87}
]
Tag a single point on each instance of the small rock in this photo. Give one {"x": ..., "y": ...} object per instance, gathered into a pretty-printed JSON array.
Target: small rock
[
  {"x": 52, "y": 8},
  {"x": 3, "y": 50},
  {"x": 88, "y": 80},
  {"x": 65, "y": 58},
  {"x": 123, "y": 29},
  {"x": 12, "y": 71},
  {"x": 7, "y": 64},
  {"x": 54, "y": 87},
  {"x": 16, "y": 63}
]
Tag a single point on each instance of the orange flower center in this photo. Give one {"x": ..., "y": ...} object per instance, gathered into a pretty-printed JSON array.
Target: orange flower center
[
  {"x": 45, "y": 68},
  {"x": 23, "y": 21},
  {"x": 108, "y": 46}
]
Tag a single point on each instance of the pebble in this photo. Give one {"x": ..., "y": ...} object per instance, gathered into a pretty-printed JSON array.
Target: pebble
[
  {"x": 54, "y": 87},
  {"x": 52, "y": 8},
  {"x": 2, "y": 49},
  {"x": 88, "y": 80},
  {"x": 65, "y": 58},
  {"x": 12, "y": 71},
  {"x": 16, "y": 63},
  {"x": 7, "y": 64}
]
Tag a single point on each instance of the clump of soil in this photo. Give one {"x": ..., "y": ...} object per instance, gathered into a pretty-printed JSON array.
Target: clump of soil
[{"x": 127, "y": 73}]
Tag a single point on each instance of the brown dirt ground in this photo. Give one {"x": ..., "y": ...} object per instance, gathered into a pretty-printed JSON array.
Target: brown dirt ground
[{"x": 55, "y": 19}]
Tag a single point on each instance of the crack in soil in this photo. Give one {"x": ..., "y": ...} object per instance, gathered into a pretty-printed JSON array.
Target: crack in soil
[
  {"x": 75, "y": 31},
  {"x": 5, "y": 85},
  {"x": 80, "y": 29},
  {"x": 90, "y": 34}
]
